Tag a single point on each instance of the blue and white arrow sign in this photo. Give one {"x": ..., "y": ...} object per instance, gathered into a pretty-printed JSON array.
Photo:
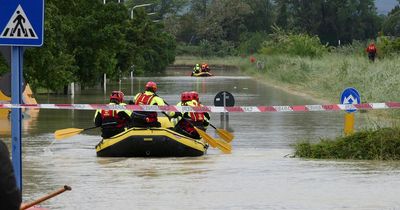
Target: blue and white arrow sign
[
  {"x": 21, "y": 22},
  {"x": 350, "y": 96}
]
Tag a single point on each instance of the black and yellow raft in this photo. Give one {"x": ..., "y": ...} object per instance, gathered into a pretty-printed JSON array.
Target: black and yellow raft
[
  {"x": 151, "y": 142},
  {"x": 202, "y": 74}
]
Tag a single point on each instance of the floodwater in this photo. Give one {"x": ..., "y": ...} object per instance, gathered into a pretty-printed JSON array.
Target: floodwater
[{"x": 259, "y": 174}]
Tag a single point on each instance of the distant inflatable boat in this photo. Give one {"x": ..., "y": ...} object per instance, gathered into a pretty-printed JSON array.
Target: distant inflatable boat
[{"x": 202, "y": 74}]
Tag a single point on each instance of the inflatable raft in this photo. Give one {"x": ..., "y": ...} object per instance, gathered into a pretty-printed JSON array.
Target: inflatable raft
[
  {"x": 151, "y": 142},
  {"x": 202, "y": 74}
]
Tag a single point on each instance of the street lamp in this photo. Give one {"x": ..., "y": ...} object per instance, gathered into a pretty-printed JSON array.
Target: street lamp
[{"x": 137, "y": 6}]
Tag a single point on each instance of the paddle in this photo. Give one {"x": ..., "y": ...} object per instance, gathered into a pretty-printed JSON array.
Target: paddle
[
  {"x": 68, "y": 132},
  {"x": 46, "y": 197},
  {"x": 221, "y": 145},
  {"x": 215, "y": 143},
  {"x": 224, "y": 134}
]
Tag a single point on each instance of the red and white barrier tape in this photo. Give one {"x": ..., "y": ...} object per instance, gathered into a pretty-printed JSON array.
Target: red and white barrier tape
[{"x": 216, "y": 109}]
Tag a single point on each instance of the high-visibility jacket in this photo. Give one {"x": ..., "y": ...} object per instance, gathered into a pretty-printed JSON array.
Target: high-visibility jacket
[
  {"x": 112, "y": 118},
  {"x": 371, "y": 48},
  {"x": 194, "y": 118},
  {"x": 147, "y": 98}
]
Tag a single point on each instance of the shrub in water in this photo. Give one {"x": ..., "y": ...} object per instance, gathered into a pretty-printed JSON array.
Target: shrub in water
[{"x": 379, "y": 144}]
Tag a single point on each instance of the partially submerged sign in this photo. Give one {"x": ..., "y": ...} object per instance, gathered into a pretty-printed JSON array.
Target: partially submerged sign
[{"x": 224, "y": 98}]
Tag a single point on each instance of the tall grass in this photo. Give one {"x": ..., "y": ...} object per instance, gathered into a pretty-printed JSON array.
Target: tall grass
[{"x": 327, "y": 76}]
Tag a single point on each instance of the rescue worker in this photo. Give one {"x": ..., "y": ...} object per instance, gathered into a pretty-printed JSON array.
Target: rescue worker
[
  {"x": 184, "y": 122},
  {"x": 205, "y": 68},
  {"x": 371, "y": 50},
  {"x": 202, "y": 124},
  {"x": 148, "y": 97},
  {"x": 196, "y": 69},
  {"x": 113, "y": 122}
]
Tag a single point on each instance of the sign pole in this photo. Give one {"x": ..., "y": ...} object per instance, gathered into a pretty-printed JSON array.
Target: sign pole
[
  {"x": 16, "y": 92},
  {"x": 21, "y": 24},
  {"x": 349, "y": 96},
  {"x": 348, "y": 123}
]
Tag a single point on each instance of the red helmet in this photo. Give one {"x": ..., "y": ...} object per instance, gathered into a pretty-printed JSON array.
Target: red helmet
[
  {"x": 151, "y": 86},
  {"x": 194, "y": 95},
  {"x": 117, "y": 96},
  {"x": 185, "y": 96}
]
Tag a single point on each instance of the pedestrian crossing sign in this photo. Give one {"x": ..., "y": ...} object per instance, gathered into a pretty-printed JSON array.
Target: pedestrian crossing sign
[{"x": 21, "y": 22}]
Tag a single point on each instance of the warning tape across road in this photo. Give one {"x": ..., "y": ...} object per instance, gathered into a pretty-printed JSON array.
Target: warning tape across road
[{"x": 215, "y": 109}]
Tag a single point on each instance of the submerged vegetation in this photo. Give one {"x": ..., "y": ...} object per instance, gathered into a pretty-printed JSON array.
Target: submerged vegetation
[{"x": 379, "y": 144}]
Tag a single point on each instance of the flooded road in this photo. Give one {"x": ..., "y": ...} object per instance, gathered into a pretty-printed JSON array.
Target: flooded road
[{"x": 257, "y": 175}]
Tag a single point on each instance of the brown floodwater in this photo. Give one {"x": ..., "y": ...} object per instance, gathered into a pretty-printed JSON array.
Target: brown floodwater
[{"x": 259, "y": 174}]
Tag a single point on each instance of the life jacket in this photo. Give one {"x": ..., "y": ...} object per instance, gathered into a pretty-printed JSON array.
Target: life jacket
[
  {"x": 144, "y": 99},
  {"x": 197, "y": 117},
  {"x": 110, "y": 116},
  {"x": 371, "y": 49}
]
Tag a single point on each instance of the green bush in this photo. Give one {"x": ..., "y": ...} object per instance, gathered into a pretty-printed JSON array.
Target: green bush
[
  {"x": 388, "y": 46},
  {"x": 378, "y": 144},
  {"x": 282, "y": 42}
]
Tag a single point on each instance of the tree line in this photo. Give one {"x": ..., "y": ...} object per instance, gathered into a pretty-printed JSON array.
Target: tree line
[
  {"x": 85, "y": 39},
  {"x": 226, "y": 26}
]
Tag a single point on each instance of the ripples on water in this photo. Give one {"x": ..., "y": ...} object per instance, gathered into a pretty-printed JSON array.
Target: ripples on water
[{"x": 257, "y": 175}]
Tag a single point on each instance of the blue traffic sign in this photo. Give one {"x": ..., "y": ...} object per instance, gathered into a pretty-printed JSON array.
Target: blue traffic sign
[
  {"x": 21, "y": 22},
  {"x": 350, "y": 96}
]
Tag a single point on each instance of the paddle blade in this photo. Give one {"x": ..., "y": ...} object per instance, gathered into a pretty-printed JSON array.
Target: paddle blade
[
  {"x": 224, "y": 146},
  {"x": 206, "y": 137},
  {"x": 225, "y": 135},
  {"x": 68, "y": 132}
]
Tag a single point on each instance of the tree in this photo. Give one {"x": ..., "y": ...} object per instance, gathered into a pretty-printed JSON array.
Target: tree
[
  {"x": 261, "y": 16},
  {"x": 51, "y": 66},
  {"x": 224, "y": 21},
  {"x": 391, "y": 26},
  {"x": 84, "y": 40}
]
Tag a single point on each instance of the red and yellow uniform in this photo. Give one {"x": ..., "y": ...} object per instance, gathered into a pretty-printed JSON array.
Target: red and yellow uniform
[
  {"x": 149, "y": 97},
  {"x": 113, "y": 122}
]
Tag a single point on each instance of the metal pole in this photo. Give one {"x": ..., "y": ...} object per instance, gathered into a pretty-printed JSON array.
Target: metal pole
[
  {"x": 105, "y": 84},
  {"x": 72, "y": 89},
  {"x": 225, "y": 115},
  {"x": 17, "y": 54},
  {"x": 131, "y": 82}
]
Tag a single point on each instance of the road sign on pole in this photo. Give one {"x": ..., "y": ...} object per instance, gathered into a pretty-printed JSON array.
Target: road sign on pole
[
  {"x": 21, "y": 22},
  {"x": 350, "y": 96}
]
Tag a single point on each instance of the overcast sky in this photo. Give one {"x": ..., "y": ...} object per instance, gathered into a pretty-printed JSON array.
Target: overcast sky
[{"x": 384, "y": 6}]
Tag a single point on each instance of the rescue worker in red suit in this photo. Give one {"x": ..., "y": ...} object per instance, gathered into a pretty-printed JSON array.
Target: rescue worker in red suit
[
  {"x": 371, "y": 50},
  {"x": 202, "y": 124},
  {"x": 184, "y": 122},
  {"x": 148, "y": 97},
  {"x": 113, "y": 122},
  {"x": 205, "y": 68}
]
